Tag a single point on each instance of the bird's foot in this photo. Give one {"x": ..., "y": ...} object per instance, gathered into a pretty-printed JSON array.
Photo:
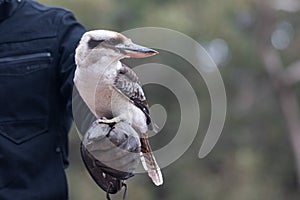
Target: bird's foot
[{"x": 110, "y": 122}]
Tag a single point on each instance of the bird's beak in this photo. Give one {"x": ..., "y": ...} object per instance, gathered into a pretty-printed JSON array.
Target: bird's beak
[{"x": 136, "y": 51}]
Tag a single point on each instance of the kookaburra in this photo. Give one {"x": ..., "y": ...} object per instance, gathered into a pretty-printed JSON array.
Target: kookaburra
[{"x": 112, "y": 90}]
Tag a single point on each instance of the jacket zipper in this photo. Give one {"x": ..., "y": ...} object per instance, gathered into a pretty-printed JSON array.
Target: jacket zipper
[{"x": 26, "y": 57}]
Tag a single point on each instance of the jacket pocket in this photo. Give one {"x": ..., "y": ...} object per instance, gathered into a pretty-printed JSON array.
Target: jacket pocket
[
  {"x": 23, "y": 64},
  {"x": 17, "y": 132},
  {"x": 24, "y": 82},
  {"x": 23, "y": 130}
]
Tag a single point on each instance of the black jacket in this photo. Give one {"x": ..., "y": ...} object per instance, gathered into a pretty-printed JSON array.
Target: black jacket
[{"x": 37, "y": 46}]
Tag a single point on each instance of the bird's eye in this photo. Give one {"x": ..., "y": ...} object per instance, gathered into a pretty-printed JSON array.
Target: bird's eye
[
  {"x": 114, "y": 41},
  {"x": 93, "y": 43}
]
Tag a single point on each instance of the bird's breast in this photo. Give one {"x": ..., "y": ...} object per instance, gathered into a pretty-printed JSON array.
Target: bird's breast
[{"x": 95, "y": 90}]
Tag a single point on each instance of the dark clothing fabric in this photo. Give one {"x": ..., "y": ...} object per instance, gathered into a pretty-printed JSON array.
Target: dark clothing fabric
[
  {"x": 37, "y": 45},
  {"x": 7, "y": 8}
]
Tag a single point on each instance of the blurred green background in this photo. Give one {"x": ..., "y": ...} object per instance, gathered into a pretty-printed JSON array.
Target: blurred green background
[{"x": 256, "y": 45}]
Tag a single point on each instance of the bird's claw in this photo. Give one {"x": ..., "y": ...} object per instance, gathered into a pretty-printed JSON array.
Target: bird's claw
[{"x": 110, "y": 122}]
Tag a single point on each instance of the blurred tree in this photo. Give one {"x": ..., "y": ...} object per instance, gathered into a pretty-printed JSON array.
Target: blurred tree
[{"x": 281, "y": 77}]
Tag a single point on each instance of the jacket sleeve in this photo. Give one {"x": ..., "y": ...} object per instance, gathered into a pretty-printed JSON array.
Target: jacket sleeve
[{"x": 70, "y": 32}]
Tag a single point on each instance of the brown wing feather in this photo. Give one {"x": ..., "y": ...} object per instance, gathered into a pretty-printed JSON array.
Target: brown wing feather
[{"x": 128, "y": 84}]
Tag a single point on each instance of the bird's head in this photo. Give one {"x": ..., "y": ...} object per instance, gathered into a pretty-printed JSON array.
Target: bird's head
[{"x": 104, "y": 43}]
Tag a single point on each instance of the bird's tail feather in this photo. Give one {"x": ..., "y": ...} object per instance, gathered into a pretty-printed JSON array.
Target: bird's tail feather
[{"x": 149, "y": 162}]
